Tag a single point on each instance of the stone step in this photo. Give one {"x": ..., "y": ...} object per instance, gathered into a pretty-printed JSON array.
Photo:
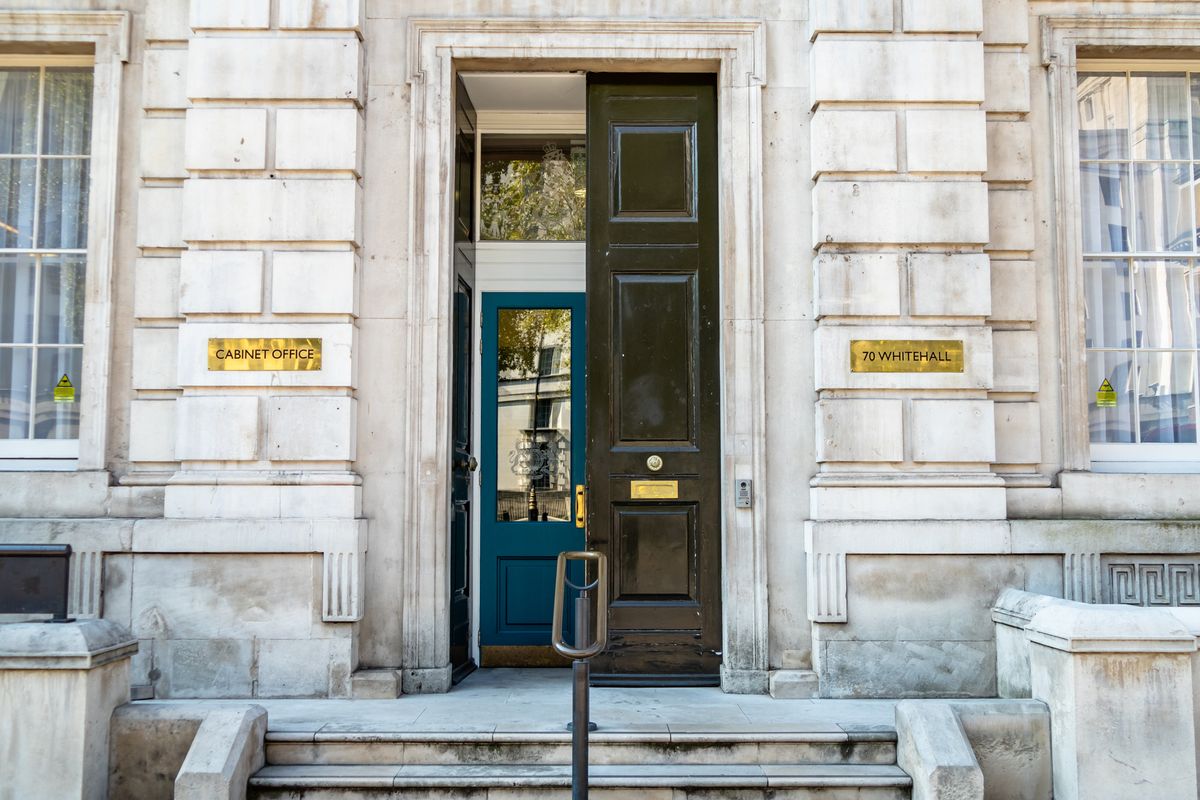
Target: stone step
[
  {"x": 743, "y": 747},
  {"x": 607, "y": 782}
]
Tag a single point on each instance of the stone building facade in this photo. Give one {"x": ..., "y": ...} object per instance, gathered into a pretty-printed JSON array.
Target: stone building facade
[{"x": 889, "y": 170}]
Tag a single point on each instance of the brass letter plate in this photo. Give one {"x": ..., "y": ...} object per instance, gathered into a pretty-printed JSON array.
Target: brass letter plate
[
  {"x": 260, "y": 355},
  {"x": 654, "y": 490},
  {"x": 906, "y": 355}
]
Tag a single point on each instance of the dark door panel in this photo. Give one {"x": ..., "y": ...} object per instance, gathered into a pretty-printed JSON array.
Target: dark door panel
[
  {"x": 653, "y": 373},
  {"x": 460, "y": 382}
]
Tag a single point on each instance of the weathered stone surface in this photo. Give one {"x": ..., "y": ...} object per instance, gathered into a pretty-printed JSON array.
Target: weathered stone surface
[
  {"x": 1018, "y": 433},
  {"x": 944, "y": 284},
  {"x": 1007, "y": 79},
  {"x": 1011, "y": 742},
  {"x": 898, "y": 71},
  {"x": 154, "y": 358},
  {"x": 899, "y": 212},
  {"x": 156, "y": 288},
  {"x": 853, "y": 141},
  {"x": 218, "y": 428},
  {"x": 162, "y": 148},
  {"x": 318, "y": 139},
  {"x": 149, "y": 744},
  {"x": 942, "y": 16},
  {"x": 159, "y": 216},
  {"x": 953, "y": 430},
  {"x": 311, "y": 428},
  {"x": 164, "y": 78},
  {"x": 860, "y": 430},
  {"x": 931, "y": 598},
  {"x": 1006, "y": 22},
  {"x": 1011, "y": 218},
  {"x": 221, "y": 281},
  {"x": 858, "y": 284},
  {"x": 1014, "y": 291},
  {"x": 152, "y": 430},
  {"x": 284, "y": 68},
  {"x": 1009, "y": 151},
  {"x": 230, "y": 14},
  {"x": 845, "y": 16},
  {"x": 229, "y": 747},
  {"x": 945, "y": 140},
  {"x": 314, "y": 282},
  {"x": 321, "y": 14},
  {"x": 908, "y": 669},
  {"x": 204, "y": 668},
  {"x": 260, "y": 210},
  {"x": 1016, "y": 361},
  {"x": 226, "y": 138},
  {"x": 293, "y": 667},
  {"x": 932, "y": 747}
]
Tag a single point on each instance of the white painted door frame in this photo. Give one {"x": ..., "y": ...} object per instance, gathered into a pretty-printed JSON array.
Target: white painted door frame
[{"x": 437, "y": 48}]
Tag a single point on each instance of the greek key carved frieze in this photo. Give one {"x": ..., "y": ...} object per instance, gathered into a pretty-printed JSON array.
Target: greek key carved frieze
[{"x": 1154, "y": 583}]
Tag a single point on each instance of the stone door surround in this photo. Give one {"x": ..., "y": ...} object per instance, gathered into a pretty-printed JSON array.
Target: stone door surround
[{"x": 437, "y": 48}]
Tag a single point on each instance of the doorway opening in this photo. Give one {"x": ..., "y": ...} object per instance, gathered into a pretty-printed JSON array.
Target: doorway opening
[{"x": 604, "y": 262}]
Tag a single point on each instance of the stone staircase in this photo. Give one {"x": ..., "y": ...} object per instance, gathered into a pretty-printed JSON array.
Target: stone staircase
[{"x": 683, "y": 762}]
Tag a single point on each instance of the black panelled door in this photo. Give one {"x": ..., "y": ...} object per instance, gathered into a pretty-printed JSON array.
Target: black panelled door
[{"x": 653, "y": 427}]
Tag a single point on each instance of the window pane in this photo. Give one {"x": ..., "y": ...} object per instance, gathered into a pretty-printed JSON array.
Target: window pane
[
  {"x": 1104, "y": 194},
  {"x": 1110, "y": 423},
  {"x": 1166, "y": 397},
  {"x": 61, "y": 316},
  {"x": 17, "y": 177},
  {"x": 64, "y": 201},
  {"x": 1164, "y": 208},
  {"x": 533, "y": 415},
  {"x": 533, "y": 189},
  {"x": 1103, "y": 116},
  {"x": 17, "y": 276},
  {"x": 16, "y": 364},
  {"x": 1158, "y": 111},
  {"x": 1162, "y": 304},
  {"x": 67, "y": 129},
  {"x": 18, "y": 110},
  {"x": 57, "y": 420},
  {"x": 1106, "y": 303}
]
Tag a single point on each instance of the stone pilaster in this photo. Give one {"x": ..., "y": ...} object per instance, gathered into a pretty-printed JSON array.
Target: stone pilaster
[
  {"x": 902, "y": 232},
  {"x": 268, "y": 194}
]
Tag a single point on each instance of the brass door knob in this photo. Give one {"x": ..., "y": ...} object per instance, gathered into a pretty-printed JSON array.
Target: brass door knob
[{"x": 654, "y": 463}]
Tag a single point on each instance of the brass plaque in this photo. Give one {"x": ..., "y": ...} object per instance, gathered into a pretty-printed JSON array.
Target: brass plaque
[
  {"x": 654, "y": 490},
  {"x": 264, "y": 355},
  {"x": 906, "y": 355}
]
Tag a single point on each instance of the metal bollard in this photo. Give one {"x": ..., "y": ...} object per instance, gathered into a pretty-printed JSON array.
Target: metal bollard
[{"x": 583, "y": 650}]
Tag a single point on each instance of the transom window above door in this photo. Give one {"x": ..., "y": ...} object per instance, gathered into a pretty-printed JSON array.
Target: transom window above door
[
  {"x": 532, "y": 187},
  {"x": 1139, "y": 151}
]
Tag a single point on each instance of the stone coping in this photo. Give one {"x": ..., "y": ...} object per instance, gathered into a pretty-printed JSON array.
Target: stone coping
[
  {"x": 1086, "y": 628},
  {"x": 1016, "y": 607},
  {"x": 83, "y": 644}
]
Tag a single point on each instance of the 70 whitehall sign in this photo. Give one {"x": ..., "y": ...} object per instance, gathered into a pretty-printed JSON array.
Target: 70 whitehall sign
[
  {"x": 261, "y": 355},
  {"x": 906, "y": 355}
]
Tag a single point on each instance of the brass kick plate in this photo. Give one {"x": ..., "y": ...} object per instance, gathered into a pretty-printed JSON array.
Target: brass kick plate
[{"x": 654, "y": 490}]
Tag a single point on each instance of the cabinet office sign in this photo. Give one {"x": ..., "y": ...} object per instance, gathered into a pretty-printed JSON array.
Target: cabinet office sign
[
  {"x": 906, "y": 355},
  {"x": 264, "y": 355}
]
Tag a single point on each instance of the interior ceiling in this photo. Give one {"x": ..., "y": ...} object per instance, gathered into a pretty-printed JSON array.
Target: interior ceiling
[{"x": 541, "y": 92}]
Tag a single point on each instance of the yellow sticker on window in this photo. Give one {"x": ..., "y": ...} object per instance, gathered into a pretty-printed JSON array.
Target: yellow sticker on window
[
  {"x": 64, "y": 392},
  {"x": 1106, "y": 396}
]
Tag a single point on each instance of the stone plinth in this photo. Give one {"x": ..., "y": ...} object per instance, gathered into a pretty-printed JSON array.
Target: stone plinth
[
  {"x": 59, "y": 685},
  {"x": 1118, "y": 681}
]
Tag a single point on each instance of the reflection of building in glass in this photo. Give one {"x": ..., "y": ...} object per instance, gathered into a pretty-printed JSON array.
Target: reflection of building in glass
[
  {"x": 533, "y": 415},
  {"x": 1137, "y": 186}
]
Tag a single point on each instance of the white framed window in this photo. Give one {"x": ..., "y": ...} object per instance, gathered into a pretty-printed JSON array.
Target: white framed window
[
  {"x": 1138, "y": 125},
  {"x": 45, "y": 170}
]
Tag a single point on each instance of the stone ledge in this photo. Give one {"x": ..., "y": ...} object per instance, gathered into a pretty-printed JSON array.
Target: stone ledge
[
  {"x": 85, "y": 644},
  {"x": 1086, "y": 628}
]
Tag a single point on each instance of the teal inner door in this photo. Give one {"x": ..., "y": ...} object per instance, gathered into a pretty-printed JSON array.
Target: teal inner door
[{"x": 532, "y": 445}]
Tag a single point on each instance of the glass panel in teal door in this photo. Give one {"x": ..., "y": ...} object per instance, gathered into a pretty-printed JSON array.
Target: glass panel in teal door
[{"x": 532, "y": 432}]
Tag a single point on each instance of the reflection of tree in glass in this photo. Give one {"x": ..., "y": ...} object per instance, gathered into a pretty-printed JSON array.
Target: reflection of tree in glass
[
  {"x": 535, "y": 200},
  {"x": 522, "y": 334}
]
